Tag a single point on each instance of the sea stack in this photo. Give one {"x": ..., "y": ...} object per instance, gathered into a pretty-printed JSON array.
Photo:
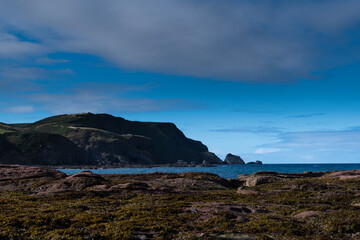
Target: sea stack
[
  {"x": 257, "y": 162},
  {"x": 233, "y": 159}
]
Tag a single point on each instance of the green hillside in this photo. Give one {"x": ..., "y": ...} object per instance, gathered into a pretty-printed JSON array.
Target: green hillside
[{"x": 109, "y": 140}]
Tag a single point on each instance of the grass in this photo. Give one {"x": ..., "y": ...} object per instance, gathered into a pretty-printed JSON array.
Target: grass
[{"x": 2, "y": 131}]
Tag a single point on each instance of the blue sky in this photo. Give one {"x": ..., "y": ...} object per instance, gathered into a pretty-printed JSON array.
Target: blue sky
[{"x": 276, "y": 81}]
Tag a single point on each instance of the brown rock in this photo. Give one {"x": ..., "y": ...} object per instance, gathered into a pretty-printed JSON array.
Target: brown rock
[
  {"x": 88, "y": 174},
  {"x": 263, "y": 177},
  {"x": 344, "y": 175},
  {"x": 76, "y": 182},
  {"x": 257, "y": 180},
  {"x": 14, "y": 172},
  {"x": 246, "y": 191},
  {"x": 131, "y": 186},
  {"x": 306, "y": 214}
]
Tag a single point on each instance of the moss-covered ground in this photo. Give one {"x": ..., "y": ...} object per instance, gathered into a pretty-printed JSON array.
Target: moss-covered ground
[{"x": 181, "y": 215}]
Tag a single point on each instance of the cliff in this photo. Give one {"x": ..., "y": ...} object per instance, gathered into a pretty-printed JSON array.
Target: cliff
[{"x": 100, "y": 139}]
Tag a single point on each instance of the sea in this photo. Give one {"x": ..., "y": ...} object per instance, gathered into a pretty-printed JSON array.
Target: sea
[{"x": 225, "y": 171}]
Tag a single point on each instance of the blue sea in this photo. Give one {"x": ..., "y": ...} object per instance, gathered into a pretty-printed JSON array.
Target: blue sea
[{"x": 225, "y": 171}]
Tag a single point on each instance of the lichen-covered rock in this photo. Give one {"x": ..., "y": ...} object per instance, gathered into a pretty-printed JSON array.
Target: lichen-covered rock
[
  {"x": 343, "y": 175},
  {"x": 76, "y": 182},
  {"x": 306, "y": 214},
  {"x": 87, "y": 174},
  {"x": 246, "y": 191},
  {"x": 263, "y": 177}
]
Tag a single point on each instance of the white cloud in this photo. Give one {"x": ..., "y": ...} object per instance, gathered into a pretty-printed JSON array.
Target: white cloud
[
  {"x": 91, "y": 101},
  {"x": 19, "y": 109},
  {"x": 11, "y": 47},
  {"x": 315, "y": 147},
  {"x": 239, "y": 40},
  {"x": 18, "y": 79},
  {"x": 267, "y": 150}
]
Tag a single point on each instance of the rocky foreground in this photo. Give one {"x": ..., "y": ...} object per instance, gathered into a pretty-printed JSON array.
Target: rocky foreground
[{"x": 40, "y": 203}]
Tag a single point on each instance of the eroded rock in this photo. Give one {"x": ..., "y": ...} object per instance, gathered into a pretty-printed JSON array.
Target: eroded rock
[
  {"x": 15, "y": 172},
  {"x": 264, "y": 177},
  {"x": 306, "y": 214},
  {"x": 344, "y": 175}
]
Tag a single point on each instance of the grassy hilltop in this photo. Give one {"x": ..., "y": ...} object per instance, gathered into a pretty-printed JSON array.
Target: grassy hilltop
[{"x": 98, "y": 139}]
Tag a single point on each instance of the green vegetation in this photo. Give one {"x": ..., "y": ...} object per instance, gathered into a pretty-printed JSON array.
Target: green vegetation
[
  {"x": 2, "y": 131},
  {"x": 192, "y": 214},
  {"x": 4, "y": 128},
  {"x": 107, "y": 140}
]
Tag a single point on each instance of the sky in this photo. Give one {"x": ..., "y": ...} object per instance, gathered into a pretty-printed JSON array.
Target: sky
[{"x": 276, "y": 81}]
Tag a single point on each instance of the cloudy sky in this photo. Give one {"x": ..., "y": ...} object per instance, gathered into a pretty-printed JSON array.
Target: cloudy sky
[{"x": 277, "y": 81}]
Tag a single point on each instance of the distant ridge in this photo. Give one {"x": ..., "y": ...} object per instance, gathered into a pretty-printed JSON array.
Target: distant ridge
[{"x": 99, "y": 139}]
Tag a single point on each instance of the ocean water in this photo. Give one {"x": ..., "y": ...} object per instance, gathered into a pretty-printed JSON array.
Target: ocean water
[{"x": 225, "y": 171}]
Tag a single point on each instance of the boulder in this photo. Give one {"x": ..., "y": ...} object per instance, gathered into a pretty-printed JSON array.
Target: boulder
[
  {"x": 344, "y": 175},
  {"x": 246, "y": 191},
  {"x": 86, "y": 174},
  {"x": 306, "y": 214},
  {"x": 233, "y": 159},
  {"x": 257, "y": 180},
  {"x": 263, "y": 177},
  {"x": 75, "y": 182}
]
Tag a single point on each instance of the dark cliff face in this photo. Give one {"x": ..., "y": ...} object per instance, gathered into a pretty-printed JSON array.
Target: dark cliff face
[
  {"x": 40, "y": 148},
  {"x": 233, "y": 159},
  {"x": 104, "y": 139}
]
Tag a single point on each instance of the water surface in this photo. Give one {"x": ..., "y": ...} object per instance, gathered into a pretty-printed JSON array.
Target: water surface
[{"x": 225, "y": 171}]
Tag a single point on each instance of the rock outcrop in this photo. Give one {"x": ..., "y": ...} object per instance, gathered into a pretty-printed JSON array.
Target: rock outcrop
[
  {"x": 263, "y": 177},
  {"x": 16, "y": 172},
  {"x": 233, "y": 159},
  {"x": 255, "y": 163},
  {"x": 306, "y": 214},
  {"x": 45, "y": 181},
  {"x": 344, "y": 175},
  {"x": 100, "y": 139}
]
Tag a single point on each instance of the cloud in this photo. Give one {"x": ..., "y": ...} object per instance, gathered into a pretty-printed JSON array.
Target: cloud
[
  {"x": 306, "y": 115},
  {"x": 267, "y": 41},
  {"x": 267, "y": 150},
  {"x": 18, "y": 79},
  {"x": 19, "y": 109},
  {"x": 90, "y": 101},
  {"x": 12, "y": 48},
  {"x": 50, "y": 61},
  {"x": 331, "y": 146},
  {"x": 257, "y": 130},
  {"x": 344, "y": 140}
]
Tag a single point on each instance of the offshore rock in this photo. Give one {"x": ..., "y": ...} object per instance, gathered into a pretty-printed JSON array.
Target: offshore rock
[
  {"x": 257, "y": 162},
  {"x": 233, "y": 159}
]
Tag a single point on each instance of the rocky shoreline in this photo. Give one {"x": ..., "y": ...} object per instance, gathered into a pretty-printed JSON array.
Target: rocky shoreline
[
  {"x": 126, "y": 166},
  {"x": 39, "y": 203}
]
